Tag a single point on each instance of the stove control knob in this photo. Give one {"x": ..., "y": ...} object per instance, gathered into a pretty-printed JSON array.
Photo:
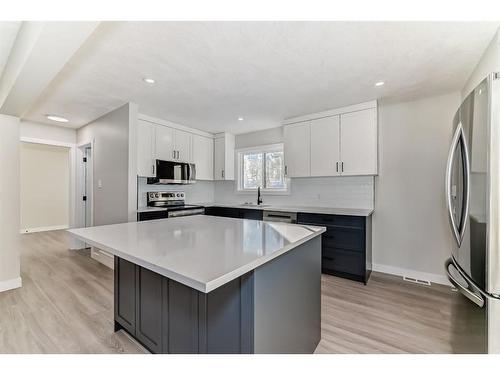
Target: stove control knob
[
  {"x": 178, "y": 195},
  {"x": 157, "y": 195}
]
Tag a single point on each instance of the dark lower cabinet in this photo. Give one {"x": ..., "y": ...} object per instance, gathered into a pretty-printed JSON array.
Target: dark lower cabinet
[
  {"x": 125, "y": 296},
  {"x": 346, "y": 244},
  {"x": 151, "y": 215},
  {"x": 149, "y": 290},
  {"x": 237, "y": 213}
]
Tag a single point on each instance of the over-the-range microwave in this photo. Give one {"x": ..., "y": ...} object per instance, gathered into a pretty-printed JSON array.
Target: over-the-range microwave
[{"x": 173, "y": 172}]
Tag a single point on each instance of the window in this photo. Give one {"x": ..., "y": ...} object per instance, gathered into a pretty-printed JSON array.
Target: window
[{"x": 262, "y": 166}]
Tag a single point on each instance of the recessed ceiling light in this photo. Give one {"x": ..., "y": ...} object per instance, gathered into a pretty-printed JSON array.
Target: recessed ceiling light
[
  {"x": 57, "y": 118},
  {"x": 151, "y": 81},
  {"x": 240, "y": 118},
  {"x": 380, "y": 83}
]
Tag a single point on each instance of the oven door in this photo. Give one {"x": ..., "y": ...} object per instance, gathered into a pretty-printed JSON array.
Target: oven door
[{"x": 172, "y": 172}]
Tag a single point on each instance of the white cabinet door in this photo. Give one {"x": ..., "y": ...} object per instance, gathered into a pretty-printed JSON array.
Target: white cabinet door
[
  {"x": 219, "y": 159},
  {"x": 298, "y": 149},
  {"x": 164, "y": 142},
  {"x": 145, "y": 149},
  {"x": 358, "y": 142},
  {"x": 325, "y": 146},
  {"x": 203, "y": 157},
  {"x": 183, "y": 145}
]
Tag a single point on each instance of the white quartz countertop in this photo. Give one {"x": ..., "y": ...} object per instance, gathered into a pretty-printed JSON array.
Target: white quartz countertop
[
  {"x": 306, "y": 209},
  {"x": 202, "y": 252}
]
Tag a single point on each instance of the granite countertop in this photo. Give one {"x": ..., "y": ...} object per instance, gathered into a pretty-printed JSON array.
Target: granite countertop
[
  {"x": 202, "y": 252},
  {"x": 306, "y": 209}
]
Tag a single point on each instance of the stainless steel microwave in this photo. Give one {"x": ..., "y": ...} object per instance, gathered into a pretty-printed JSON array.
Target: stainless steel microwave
[{"x": 173, "y": 172}]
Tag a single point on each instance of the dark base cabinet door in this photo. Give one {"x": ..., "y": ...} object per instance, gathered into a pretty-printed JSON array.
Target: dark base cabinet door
[
  {"x": 346, "y": 244},
  {"x": 148, "y": 309},
  {"x": 125, "y": 294}
]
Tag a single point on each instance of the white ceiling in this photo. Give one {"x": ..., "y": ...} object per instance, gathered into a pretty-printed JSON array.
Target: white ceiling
[
  {"x": 8, "y": 33},
  {"x": 210, "y": 73}
]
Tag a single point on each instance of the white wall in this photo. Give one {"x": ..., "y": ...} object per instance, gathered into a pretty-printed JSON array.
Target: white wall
[
  {"x": 411, "y": 234},
  {"x": 54, "y": 133},
  {"x": 110, "y": 138},
  {"x": 489, "y": 63},
  {"x": 9, "y": 203},
  {"x": 45, "y": 187}
]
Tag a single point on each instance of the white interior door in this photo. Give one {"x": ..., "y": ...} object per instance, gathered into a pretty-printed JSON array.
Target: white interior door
[
  {"x": 358, "y": 142},
  {"x": 298, "y": 149},
  {"x": 88, "y": 187},
  {"x": 325, "y": 146}
]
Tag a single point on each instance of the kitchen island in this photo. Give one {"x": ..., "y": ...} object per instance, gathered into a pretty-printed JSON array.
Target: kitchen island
[{"x": 204, "y": 284}]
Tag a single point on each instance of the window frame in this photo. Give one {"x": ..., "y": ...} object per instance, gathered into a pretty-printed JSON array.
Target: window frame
[{"x": 259, "y": 149}]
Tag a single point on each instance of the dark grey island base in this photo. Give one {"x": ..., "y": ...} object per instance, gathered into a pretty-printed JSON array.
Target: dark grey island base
[{"x": 276, "y": 308}]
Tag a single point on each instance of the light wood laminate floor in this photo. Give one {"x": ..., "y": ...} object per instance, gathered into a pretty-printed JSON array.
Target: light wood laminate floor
[{"x": 66, "y": 306}]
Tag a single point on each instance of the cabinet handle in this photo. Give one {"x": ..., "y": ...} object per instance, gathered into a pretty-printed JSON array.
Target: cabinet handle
[
  {"x": 286, "y": 170},
  {"x": 223, "y": 173},
  {"x": 173, "y": 154},
  {"x": 178, "y": 155},
  {"x": 337, "y": 166},
  {"x": 342, "y": 166},
  {"x": 153, "y": 168}
]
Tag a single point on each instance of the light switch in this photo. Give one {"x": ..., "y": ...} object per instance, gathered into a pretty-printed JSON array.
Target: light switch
[{"x": 99, "y": 184}]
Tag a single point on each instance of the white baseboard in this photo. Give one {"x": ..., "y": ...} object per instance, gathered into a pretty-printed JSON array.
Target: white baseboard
[
  {"x": 11, "y": 284},
  {"x": 432, "y": 277},
  {"x": 43, "y": 229}
]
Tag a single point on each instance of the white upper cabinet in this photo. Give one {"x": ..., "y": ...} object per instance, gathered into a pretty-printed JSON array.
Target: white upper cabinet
[
  {"x": 164, "y": 142},
  {"x": 224, "y": 157},
  {"x": 157, "y": 140},
  {"x": 341, "y": 142},
  {"x": 203, "y": 157},
  {"x": 325, "y": 146},
  {"x": 358, "y": 143},
  {"x": 145, "y": 149},
  {"x": 182, "y": 146},
  {"x": 297, "y": 148}
]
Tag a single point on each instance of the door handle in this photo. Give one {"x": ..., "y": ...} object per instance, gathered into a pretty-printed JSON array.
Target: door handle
[
  {"x": 458, "y": 138},
  {"x": 471, "y": 292}
]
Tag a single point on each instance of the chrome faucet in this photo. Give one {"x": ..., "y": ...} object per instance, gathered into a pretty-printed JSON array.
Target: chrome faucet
[{"x": 259, "y": 198}]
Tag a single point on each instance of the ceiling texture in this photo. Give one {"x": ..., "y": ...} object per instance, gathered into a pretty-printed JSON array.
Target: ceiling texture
[
  {"x": 210, "y": 73},
  {"x": 8, "y": 33}
]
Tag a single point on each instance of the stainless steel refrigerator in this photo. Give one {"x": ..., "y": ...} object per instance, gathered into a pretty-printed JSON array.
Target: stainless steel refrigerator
[{"x": 473, "y": 202}]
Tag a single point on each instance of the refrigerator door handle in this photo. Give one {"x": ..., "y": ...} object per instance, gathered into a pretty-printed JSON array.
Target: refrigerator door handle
[
  {"x": 458, "y": 138},
  {"x": 471, "y": 292}
]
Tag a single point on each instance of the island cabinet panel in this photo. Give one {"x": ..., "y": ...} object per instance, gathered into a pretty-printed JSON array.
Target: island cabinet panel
[
  {"x": 125, "y": 294},
  {"x": 346, "y": 246},
  {"x": 148, "y": 308},
  {"x": 180, "y": 317}
]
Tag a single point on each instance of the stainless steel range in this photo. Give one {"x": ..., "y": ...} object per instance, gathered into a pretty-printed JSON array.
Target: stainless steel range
[{"x": 166, "y": 204}]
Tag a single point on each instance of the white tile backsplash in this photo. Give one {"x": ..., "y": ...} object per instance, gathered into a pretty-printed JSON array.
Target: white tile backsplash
[
  {"x": 342, "y": 192},
  {"x": 201, "y": 191}
]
